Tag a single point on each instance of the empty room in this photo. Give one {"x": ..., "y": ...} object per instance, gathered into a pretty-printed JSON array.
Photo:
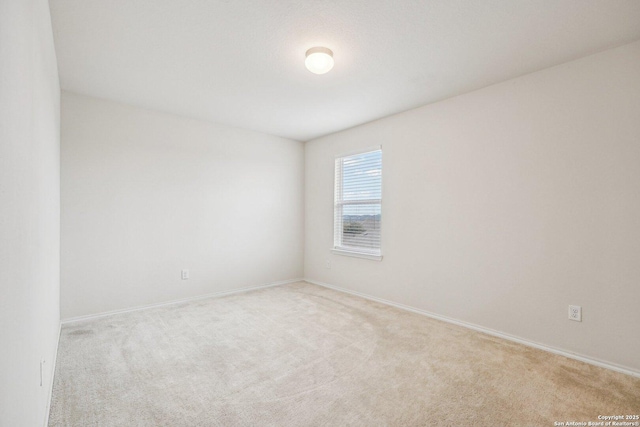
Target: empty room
[{"x": 319, "y": 213}]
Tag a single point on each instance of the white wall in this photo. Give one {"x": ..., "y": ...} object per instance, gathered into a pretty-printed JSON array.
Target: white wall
[
  {"x": 503, "y": 206},
  {"x": 29, "y": 210},
  {"x": 145, "y": 194}
]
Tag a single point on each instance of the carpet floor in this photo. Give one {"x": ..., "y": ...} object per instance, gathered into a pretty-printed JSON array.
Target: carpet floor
[{"x": 304, "y": 355}]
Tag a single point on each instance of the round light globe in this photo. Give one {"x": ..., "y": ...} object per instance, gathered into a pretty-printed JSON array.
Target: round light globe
[{"x": 319, "y": 60}]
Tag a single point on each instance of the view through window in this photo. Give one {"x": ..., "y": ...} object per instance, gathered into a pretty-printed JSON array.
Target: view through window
[{"x": 358, "y": 203}]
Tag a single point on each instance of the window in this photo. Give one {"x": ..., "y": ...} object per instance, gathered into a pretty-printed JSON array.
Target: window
[{"x": 358, "y": 203}]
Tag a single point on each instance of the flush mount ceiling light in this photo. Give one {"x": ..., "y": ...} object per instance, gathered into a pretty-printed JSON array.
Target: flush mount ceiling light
[{"x": 319, "y": 60}]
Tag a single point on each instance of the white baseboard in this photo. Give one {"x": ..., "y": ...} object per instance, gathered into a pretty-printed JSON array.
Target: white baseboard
[
  {"x": 178, "y": 301},
  {"x": 580, "y": 357},
  {"x": 53, "y": 374}
]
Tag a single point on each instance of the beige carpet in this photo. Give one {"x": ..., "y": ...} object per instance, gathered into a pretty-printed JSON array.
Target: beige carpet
[{"x": 303, "y": 355}]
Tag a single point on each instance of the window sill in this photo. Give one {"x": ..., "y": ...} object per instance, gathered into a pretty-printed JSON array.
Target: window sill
[{"x": 364, "y": 255}]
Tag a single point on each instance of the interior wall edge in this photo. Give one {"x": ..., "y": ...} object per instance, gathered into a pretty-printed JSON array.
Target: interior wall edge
[
  {"x": 53, "y": 374},
  {"x": 177, "y": 301}
]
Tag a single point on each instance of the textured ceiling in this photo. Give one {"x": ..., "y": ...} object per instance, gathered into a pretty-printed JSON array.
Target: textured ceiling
[{"x": 241, "y": 63}]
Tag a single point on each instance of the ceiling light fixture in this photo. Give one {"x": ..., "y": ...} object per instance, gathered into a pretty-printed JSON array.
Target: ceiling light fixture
[{"x": 319, "y": 60}]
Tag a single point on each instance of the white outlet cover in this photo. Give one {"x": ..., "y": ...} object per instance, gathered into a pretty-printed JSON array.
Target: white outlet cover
[
  {"x": 575, "y": 313},
  {"x": 42, "y": 362},
  {"x": 184, "y": 274}
]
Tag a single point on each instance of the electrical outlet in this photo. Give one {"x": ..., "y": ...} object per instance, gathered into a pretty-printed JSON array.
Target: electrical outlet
[
  {"x": 184, "y": 274},
  {"x": 328, "y": 264},
  {"x": 575, "y": 313}
]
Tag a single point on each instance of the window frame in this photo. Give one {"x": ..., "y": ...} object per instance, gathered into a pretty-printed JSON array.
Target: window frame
[{"x": 338, "y": 203}]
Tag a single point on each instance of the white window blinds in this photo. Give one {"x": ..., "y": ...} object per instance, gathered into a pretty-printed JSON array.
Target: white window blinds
[{"x": 358, "y": 203}]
